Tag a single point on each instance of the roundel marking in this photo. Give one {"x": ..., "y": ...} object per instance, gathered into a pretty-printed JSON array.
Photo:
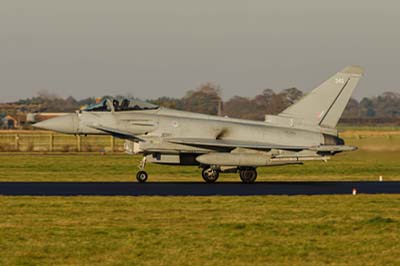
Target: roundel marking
[{"x": 175, "y": 124}]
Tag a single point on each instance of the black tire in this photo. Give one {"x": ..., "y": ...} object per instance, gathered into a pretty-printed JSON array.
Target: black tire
[
  {"x": 141, "y": 176},
  {"x": 210, "y": 175},
  {"x": 248, "y": 176}
]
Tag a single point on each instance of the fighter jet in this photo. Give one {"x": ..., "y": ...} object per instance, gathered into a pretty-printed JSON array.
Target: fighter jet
[{"x": 304, "y": 131}]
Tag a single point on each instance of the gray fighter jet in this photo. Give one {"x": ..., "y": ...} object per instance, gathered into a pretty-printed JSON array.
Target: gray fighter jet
[{"x": 304, "y": 131}]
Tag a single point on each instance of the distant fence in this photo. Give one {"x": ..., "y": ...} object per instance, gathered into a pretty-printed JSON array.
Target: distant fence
[
  {"x": 45, "y": 141},
  {"x": 39, "y": 141}
]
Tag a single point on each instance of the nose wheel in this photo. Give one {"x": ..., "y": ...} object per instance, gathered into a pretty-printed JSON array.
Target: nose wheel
[{"x": 142, "y": 176}]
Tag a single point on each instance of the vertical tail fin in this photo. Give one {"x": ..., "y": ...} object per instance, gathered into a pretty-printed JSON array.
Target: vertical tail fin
[{"x": 324, "y": 105}]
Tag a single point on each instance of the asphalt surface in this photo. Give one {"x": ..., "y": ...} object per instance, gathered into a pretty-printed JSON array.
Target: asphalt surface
[{"x": 194, "y": 189}]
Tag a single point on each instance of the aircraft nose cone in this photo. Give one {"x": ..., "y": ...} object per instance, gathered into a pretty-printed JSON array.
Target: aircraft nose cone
[{"x": 65, "y": 124}]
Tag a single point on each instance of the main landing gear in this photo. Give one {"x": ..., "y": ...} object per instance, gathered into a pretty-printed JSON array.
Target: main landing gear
[
  {"x": 248, "y": 175},
  {"x": 210, "y": 175},
  {"x": 142, "y": 176}
]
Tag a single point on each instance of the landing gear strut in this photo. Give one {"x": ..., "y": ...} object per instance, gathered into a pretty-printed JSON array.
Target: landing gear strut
[
  {"x": 142, "y": 176},
  {"x": 210, "y": 175},
  {"x": 248, "y": 175}
]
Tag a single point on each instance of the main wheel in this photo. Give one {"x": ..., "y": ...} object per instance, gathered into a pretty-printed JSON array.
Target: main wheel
[
  {"x": 141, "y": 176},
  {"x": 248, "y": 176},
  {"x": 210, "y": 175}
]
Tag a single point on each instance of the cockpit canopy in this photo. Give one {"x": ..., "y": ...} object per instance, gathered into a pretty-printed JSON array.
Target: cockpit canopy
[{"x": 107, "y": 105}]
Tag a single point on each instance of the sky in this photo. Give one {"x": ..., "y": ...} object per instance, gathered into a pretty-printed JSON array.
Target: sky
[{"x": 150, "y": 48}]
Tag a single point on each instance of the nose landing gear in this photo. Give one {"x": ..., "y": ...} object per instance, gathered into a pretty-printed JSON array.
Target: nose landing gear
[{"x": 142, "y": 175}]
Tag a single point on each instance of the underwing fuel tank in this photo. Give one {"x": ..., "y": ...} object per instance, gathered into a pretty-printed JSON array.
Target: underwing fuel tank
[{"x": 234, "y": 159}]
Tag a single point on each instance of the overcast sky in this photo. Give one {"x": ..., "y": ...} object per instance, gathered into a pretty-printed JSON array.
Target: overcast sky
[{"x": 163, "y": 48}]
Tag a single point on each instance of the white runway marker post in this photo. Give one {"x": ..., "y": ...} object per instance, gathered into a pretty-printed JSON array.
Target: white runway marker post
[
  {"x": 354, "y": 191},
  {"x": 380, "y": 178}
]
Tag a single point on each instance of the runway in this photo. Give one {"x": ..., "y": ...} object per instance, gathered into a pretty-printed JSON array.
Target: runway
[{"x": 194, "y": 189}]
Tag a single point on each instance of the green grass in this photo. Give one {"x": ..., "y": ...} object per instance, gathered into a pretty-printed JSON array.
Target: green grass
[
  {"x": 359, "y": 165},
  {"x": 269, "y": 230},
  {"x": 301, "y": 230}
]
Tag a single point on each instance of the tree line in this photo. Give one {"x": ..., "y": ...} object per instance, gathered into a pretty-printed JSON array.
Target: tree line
[{"x": 382, "y": 109}]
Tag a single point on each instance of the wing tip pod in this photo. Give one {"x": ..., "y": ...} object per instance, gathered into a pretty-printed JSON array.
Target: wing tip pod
[{"x": 354, "y": 70}]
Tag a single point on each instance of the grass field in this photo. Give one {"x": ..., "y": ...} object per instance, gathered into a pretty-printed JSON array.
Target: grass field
[
  {"x": 359, "y": 165},
  {"x": 270, "y": 230},
  {"x": 323, "y": 230}
]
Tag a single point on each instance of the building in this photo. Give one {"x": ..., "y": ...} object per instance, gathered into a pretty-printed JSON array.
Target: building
[
  {"x": 10, "y": 122},
  {"x": 39, "y": 117}
]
